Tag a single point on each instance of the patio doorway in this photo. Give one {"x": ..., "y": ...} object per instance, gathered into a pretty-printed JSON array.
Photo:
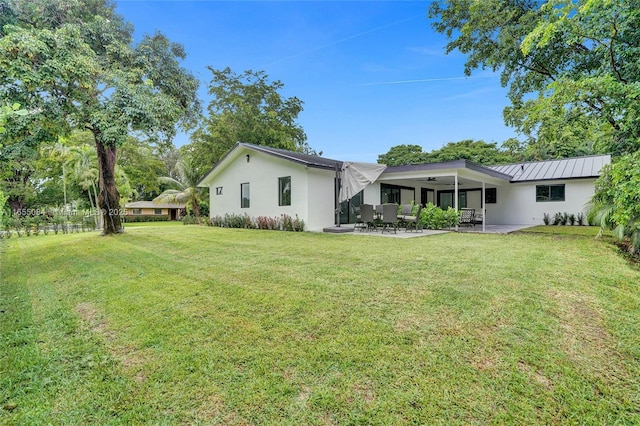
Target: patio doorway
[
  {"x": 349, "y": 209},
  {"x": 445, "y": 199}
]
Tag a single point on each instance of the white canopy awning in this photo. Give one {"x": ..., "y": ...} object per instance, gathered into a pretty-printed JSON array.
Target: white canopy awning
[{"x": 354, "y": 177}]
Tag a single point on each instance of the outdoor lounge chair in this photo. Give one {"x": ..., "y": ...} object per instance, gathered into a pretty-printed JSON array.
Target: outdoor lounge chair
[
  {"x": 390, "y": 217},
  {"x": 468, "y": 217},
  {"x": 413, "y": 221}
]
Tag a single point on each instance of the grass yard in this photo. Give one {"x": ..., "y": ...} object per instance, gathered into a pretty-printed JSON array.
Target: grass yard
[
  {"x": 186, "y": 324},
  {"x": 576, "y": 231}
]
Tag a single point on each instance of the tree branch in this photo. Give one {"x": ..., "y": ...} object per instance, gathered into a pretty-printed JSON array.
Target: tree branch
[
  {"x": 540, "y": 70},
  {"x": 611, "y": 55}
]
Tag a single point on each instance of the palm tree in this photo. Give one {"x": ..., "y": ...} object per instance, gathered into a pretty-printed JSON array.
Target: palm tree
[
  {"x": 185, "y": 189},
  {"x": 84, "y": 161},
  {"x": 63, "y": 152}
]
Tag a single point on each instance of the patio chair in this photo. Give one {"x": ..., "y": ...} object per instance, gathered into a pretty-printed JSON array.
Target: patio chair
[
  {"x": 390, "y": 217},
  {"x": 414, "y": 221},
  {"x": 359, "y": 222},
  {"x": 366, "y": 217},
  {"x": 467, "y": 217},
  {"x": 478, "y": 218},
  {"x": 406, "y": 210}
]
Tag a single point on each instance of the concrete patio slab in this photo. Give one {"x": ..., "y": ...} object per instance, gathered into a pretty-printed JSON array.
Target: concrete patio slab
[{"x": 489, "y": 229}]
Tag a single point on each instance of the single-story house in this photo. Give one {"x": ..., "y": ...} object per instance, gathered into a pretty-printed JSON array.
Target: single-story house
[
  {"x": 263, "y": 181},
  {"x": 138, "y": 209}
]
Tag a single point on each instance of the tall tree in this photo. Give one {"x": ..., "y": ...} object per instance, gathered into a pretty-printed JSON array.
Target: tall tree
[
  {"x": 143, "y": 165},
  {"x": 480, "y": 152},
  {"x": 568, "y": 63},
  {"x": 477, "y": 151},
  {"x": 246, "y": 108},
  {"x": 76, "y": 63},
  {"x": 400, "y": 155}
]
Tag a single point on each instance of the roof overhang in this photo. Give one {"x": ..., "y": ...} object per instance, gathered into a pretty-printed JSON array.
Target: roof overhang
[
  {"x": 241, "y": 148},
  {"x": 460, "y": 168}
]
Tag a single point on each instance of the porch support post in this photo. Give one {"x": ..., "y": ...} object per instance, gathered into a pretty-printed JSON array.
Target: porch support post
[
  {"x": 455, "y": 194},
  {"x": 484, "y": 208},
  {"x": 337, "y": 195}
]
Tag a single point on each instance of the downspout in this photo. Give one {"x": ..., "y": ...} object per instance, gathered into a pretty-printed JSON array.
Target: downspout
[{"x": 483, "y": 202}]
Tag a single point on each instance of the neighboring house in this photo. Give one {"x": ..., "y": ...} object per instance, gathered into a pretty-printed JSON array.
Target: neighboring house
[
  {"x": 263, "y": 181},
  {"x": 139, "y": 209}
]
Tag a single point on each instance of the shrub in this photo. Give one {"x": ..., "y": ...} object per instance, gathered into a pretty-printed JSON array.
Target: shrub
[
  {"x": 16, "y": 223},
  {"x": 147, "y": 218},
  {"x": 265, "y": 222},
  {"x": 580, "y": 219},
  {"x": 57, "y": 222},
  {"x": 572, "y": 219},
  {"x": 616, "y": 203},
  {"x": 284, "y": 222},
  {"x": 546, "y": 218},
  {"x": 557, "y": 219},
  {"x": 433, "y": 217},
  {"x": 189, "y": 220}
]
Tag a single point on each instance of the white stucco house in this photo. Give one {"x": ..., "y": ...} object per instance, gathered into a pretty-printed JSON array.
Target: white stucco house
[{"x": 263, "y": 181}]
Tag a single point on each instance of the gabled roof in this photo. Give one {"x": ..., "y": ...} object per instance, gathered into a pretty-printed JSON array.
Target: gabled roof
[
  {"x": 152, "y": 205},
  {"x": 298, "y": 157},
  {"x": 455, "y": 164},
  {"x": 307, "y": 160},
  {"x": 566, "y": 168}
]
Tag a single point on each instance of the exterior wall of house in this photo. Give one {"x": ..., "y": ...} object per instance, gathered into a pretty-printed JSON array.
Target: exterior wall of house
[
  {"x": 145, "y": 212},
  {"x": 321, "y": 199},
  {"x": 516, "y": 202},
  {"x": 372, "y": 194},
  {"x": 311, "y": 190}
]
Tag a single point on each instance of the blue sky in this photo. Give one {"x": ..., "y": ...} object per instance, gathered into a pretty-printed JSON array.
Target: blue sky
[{"x": 371, "y": 74}]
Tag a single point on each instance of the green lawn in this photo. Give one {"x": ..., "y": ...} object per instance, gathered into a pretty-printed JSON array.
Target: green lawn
[
  {"x": 190, "y": 324},
  {"x": 576, "y": 231},
  {"x": 128, "y": 225}
]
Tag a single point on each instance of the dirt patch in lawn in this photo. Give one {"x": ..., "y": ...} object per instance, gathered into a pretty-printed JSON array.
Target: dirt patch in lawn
[{"x": 584, "y": 338}]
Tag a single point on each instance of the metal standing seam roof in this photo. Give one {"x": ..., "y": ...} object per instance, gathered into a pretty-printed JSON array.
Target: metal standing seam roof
[{"x": 566, "y": 168}]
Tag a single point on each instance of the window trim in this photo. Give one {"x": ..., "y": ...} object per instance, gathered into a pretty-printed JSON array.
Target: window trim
[
  {"x": 281, "y": 198},
  {"x": 242, "y": 199},
  {"x": 136, "y": 211},
  {"x": 491, "y": 195},
  {"x": 549, "y": 197},
  {"x": 157, "y": 212}
]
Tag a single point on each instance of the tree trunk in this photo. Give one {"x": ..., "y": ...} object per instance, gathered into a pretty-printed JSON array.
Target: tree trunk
[
  {"x": 196, "y": 210},
  {"x": 109, "y": 198},
  {"x": 97, "y": 221}
]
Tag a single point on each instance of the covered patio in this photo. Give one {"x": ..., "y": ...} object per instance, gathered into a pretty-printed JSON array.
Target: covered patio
[{"x": 457, "y": 184}]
